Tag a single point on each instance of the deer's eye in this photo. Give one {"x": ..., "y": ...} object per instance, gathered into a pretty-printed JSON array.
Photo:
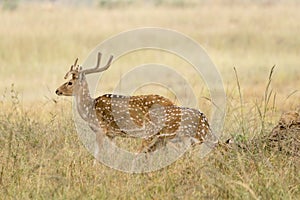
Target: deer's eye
[{"x": 70, "y": 83}]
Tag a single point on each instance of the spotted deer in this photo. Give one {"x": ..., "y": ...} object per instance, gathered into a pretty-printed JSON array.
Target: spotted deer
[{"x": 152, "y": 117}]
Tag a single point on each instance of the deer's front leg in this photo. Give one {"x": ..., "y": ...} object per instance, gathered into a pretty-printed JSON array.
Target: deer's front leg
[{"x": 101, "y": 135}]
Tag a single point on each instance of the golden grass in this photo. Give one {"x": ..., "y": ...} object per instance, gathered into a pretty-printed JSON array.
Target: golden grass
[
  {"x": 42, "y": 43},
  {"x": 41, "y": 155}
]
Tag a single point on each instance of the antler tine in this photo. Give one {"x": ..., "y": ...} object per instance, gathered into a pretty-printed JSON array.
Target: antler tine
[
  {"x": 97, "y": 68},
  {"x": 75, "y": 63}
]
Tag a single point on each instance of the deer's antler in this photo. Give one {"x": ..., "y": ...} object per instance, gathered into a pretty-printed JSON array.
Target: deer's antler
[
  {"x": 97, "y": 68},
  {"x": 75, "y": 69}
]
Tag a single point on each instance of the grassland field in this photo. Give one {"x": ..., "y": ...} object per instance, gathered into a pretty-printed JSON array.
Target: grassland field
[{"x": 41, "y": 156}]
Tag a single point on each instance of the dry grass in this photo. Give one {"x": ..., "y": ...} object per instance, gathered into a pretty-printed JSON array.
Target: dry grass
[{"x": 41, "y": 156}]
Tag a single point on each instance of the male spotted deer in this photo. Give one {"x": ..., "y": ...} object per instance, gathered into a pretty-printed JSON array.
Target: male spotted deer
[{"x": 154, "y": 118}]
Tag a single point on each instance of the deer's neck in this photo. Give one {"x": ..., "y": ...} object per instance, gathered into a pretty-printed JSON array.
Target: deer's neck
[{"x": 84, "y": 101}]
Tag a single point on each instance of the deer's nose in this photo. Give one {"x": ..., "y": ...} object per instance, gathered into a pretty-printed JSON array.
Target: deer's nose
[{"x": 58, "y": 92}]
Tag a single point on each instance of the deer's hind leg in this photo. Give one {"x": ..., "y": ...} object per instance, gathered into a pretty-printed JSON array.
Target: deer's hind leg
[{"x": 152, "y": 144}]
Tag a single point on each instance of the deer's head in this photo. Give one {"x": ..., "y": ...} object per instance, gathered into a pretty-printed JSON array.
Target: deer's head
[
  {"x": 68, "y": 88},
  {"x": 71, "y": 87}
]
